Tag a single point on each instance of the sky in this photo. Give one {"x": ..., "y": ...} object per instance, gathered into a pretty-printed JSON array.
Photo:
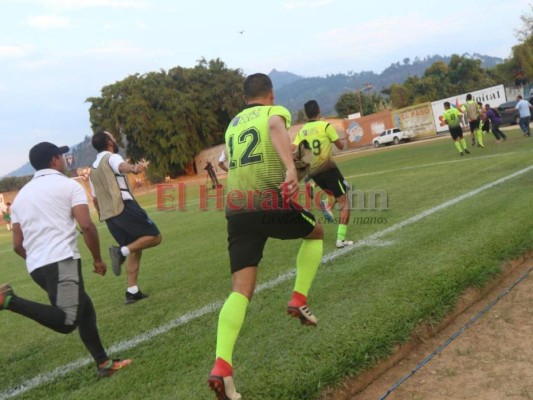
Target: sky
[{"x": 54, "y": 54}]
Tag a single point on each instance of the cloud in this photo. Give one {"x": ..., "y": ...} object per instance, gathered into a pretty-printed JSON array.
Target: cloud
[
  {"x": 124, "y": 49},
  {"x": 376, "y": 37},
  {"x": 294, "y": 5},
  {"x": 49, "y": 22},
  {"x": 14, "y": 51},
  {"x": 80, "y": 4}
]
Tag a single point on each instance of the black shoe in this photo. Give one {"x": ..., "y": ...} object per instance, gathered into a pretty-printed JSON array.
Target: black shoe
[
  {"x": 462, "y": 154},
  {"x": 133, "y": 298},
  {"x": 467, "y": 151},
  {"x": 117, "y": 259}
]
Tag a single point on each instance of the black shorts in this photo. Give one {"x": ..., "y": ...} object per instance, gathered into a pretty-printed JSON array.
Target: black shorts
[
  {"x": 131, "y": 224},
  {"x": 474, "y": 125},
  {"x": 249, "y": 231},
  {"x": 331, "y": 181},
  {"x": 456, "y": 132}
]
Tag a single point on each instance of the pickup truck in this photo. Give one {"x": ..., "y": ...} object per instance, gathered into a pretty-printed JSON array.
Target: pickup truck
[{"x": 394, "y": 135}]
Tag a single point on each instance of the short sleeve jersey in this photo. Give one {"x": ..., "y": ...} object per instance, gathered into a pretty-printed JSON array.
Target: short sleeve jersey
[
  {"x": 255, "y": 167},
  {"x": 452, "y": 117},
  {"x": 320, "y": 135},
  {"x": 471, "y": 108}
]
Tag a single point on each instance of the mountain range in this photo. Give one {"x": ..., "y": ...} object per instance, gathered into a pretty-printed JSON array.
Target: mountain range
[{"x": 292, "y": 91}]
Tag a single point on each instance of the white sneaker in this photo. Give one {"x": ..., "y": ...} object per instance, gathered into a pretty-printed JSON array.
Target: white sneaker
[{"x": 343, "y": 243}]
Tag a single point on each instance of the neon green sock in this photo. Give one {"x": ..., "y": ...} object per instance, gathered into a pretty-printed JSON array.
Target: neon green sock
[
  {"x": 458, "y": 147},
  {"x": 463, "y": 143},
  {"x": 307, "y": 262},
  {"x": 479, "y": 137},
  {"x": 230, "y": 320},
  {"x": 341, "y": 231}
]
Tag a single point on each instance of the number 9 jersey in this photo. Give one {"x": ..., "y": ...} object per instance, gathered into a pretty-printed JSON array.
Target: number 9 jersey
[
  {"x": 320, "y": 135},
  {"x": 255, "y": 169}
]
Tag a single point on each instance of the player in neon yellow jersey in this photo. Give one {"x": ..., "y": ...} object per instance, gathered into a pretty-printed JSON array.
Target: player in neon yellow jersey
[
  {"x": 472, "y": 110},
  {"x": 261, "y": 178},
  {"x": 321, "y": 135},
  {"x": 452, "y": 117}
]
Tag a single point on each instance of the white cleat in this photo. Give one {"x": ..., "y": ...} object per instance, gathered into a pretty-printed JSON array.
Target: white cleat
[{"x": 343, "y": 243}]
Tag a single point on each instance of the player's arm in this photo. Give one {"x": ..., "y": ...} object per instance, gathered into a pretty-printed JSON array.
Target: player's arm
[
  {"x": 18, "y": 239},
  {"x": 90, "y": 236},
  {"x": 339, "y": 144},
  {"x": 280, "y": 140}
]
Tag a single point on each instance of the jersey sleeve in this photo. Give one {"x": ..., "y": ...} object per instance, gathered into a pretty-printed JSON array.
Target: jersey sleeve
[
  {"x": 297, "y": 139},
  {"x": 331, "y": 132},
  {"x": 283, "y": 113}
]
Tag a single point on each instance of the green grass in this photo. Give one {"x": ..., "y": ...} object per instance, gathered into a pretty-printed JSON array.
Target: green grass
[{"x": 367, "y": 301}]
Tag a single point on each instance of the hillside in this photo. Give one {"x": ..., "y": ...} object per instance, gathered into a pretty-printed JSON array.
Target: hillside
[
  {"x": 292, "y": 91},
  {"x": 326, "y": 90}
]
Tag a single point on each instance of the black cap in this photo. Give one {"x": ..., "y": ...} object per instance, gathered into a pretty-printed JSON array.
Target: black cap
[{"x": 41, "y": 154}]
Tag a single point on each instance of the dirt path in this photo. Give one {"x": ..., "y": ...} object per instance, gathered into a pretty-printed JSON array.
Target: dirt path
[{"x": 491, "y": 360}]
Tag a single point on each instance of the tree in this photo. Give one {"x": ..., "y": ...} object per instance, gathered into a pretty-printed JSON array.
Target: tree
[
  {"x": 169, "y": 117},
  {"x": 399, "y": 96},
  {"x": 364, "y": 103}
]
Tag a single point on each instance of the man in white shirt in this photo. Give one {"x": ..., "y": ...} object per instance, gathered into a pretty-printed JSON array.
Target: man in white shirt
[
  {"x": 524, "y": 112},
  {"x": 128, "y": 223},
  {"x": 44, "y": 216}
]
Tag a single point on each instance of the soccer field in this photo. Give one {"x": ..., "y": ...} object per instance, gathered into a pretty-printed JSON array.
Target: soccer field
[{"x": 450, "y": 223}]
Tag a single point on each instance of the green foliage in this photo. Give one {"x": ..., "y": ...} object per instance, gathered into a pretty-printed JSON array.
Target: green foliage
[
  {"x": 13, "y": 183},
  {"x": 440, "y": 80},
  {"x": 170, "y": 116},
  {"x": 365, "y": 103}
]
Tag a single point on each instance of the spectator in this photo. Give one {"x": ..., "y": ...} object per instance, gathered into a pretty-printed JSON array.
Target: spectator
[
  {"x": 495, "y": 121},
  {"x": 47, "y": 241},
  {"x": 524, "y": 111},
  {"x": 128, "y": 223}
]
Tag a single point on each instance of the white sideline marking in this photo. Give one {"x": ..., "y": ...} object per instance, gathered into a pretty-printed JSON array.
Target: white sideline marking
[{"x": 372, "y": 239}]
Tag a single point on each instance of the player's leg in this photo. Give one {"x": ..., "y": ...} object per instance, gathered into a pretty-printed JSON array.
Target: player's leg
[
  {"x": 307, "y": 263},
  {"x": 245, "y": 250}
]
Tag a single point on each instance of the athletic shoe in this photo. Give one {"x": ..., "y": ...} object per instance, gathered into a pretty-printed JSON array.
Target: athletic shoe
[
  {"x": 133, "y": 298},
  {"x": 461, "y": 153},
  {"x": 110, "y": 367},
  {"x": 304, "y": 314},
  {"x": 6, "y": 292},
  {"x": 480, "y": 145},
  {"x": 224, "y": 387},
  {"x": 343, "y": 243},
  {"x": 467, "y": 151},
  {"x": 326, "y": 211},
  {"x": 117, "y": 259}
]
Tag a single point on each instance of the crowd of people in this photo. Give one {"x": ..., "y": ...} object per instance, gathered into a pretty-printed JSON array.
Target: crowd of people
[{"x": 482, "y": 120}]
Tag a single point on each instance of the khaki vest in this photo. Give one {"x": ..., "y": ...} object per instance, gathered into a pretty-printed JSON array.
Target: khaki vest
[{"x": 106, "y": 189}]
